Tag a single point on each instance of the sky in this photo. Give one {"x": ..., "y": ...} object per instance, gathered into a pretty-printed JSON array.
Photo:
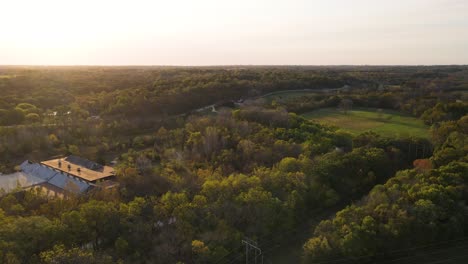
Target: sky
[{"x": 233, "y": 32}]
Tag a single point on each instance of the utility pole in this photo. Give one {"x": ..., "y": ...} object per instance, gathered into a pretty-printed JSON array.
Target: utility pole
[{"x": 252, "y": 245}]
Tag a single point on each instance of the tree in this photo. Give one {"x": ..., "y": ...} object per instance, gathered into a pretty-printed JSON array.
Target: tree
[
  {"x": 61, "y": 255},
  {"x": 11, "y": 117},
  {"x": 53, "y": 139},
  {"x": 74, "y": 150},
  {"x": 32, "y": 118},
  {"x": 100, "y": 221},
  {"x": 200, "y": 251},
  {"x": 422, "y": 165},
  {"x": 28, "y": 236},
  {"x": 27, "y": 108},
  {"x": 346, "y": 105}
]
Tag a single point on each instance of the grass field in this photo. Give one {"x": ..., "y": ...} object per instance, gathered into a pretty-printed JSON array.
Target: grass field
[
  {"x": 387, "y": 122},
  {"x": 282, "y": 96}
]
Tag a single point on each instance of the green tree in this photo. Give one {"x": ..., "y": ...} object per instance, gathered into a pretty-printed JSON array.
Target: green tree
[{"x": 61, "y": 255}]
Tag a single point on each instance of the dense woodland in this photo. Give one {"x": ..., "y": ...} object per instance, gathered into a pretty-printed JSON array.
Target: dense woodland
[{"x": 194, "y": 184}]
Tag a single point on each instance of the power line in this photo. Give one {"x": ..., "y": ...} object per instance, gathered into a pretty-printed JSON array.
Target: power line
[
  {"x": 236, "y": 258},
  {"x": 296, "y": 233},
  {"x": 227, "y": 254},
  {"x": 252, "y": 245}
]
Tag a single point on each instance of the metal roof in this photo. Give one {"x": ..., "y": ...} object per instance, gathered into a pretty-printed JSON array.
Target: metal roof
[
  {"x": 84, "y": 163},
  {"x": 68, "y": 183},
  {"x": 58, "y": 179},
  {"x": 37, "y": 170},
  {"x": 10, "y": 182}
]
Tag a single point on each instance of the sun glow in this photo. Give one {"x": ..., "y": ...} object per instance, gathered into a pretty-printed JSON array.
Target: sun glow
[{"x": 184, "y": 32}]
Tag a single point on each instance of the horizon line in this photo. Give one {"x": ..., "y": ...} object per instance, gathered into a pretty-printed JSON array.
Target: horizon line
[{"x": 226, "y": 65}]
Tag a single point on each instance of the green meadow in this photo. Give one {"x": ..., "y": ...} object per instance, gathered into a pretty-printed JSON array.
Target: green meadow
[{"x": 385, "y": 122}]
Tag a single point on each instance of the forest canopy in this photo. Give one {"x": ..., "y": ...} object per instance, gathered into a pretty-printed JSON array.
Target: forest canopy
[{"x": 204, "y": 159}]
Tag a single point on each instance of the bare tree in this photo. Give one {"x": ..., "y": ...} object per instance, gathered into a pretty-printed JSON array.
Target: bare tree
[{"x": 346, "y": 105}]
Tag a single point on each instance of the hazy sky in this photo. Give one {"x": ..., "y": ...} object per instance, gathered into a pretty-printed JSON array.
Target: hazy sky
[{"x": 222, "y": 32}]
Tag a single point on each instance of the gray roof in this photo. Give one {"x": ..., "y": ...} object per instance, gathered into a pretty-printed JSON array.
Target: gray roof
[
  {"x": 38, "y": 173},
  {"x": 84, "y": 163},
  {"x": 10, "y": 182},
  {"x": 67, "y": 183},
  {"x": 37, "y": 170}
]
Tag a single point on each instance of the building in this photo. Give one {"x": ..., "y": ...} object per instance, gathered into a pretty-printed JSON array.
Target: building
[
  {"x": 11, "y": 182},
  {"x": 55, "y": 182},
  {"x": 81, "y": 169},
  {"x": 59, "y": 177}
]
